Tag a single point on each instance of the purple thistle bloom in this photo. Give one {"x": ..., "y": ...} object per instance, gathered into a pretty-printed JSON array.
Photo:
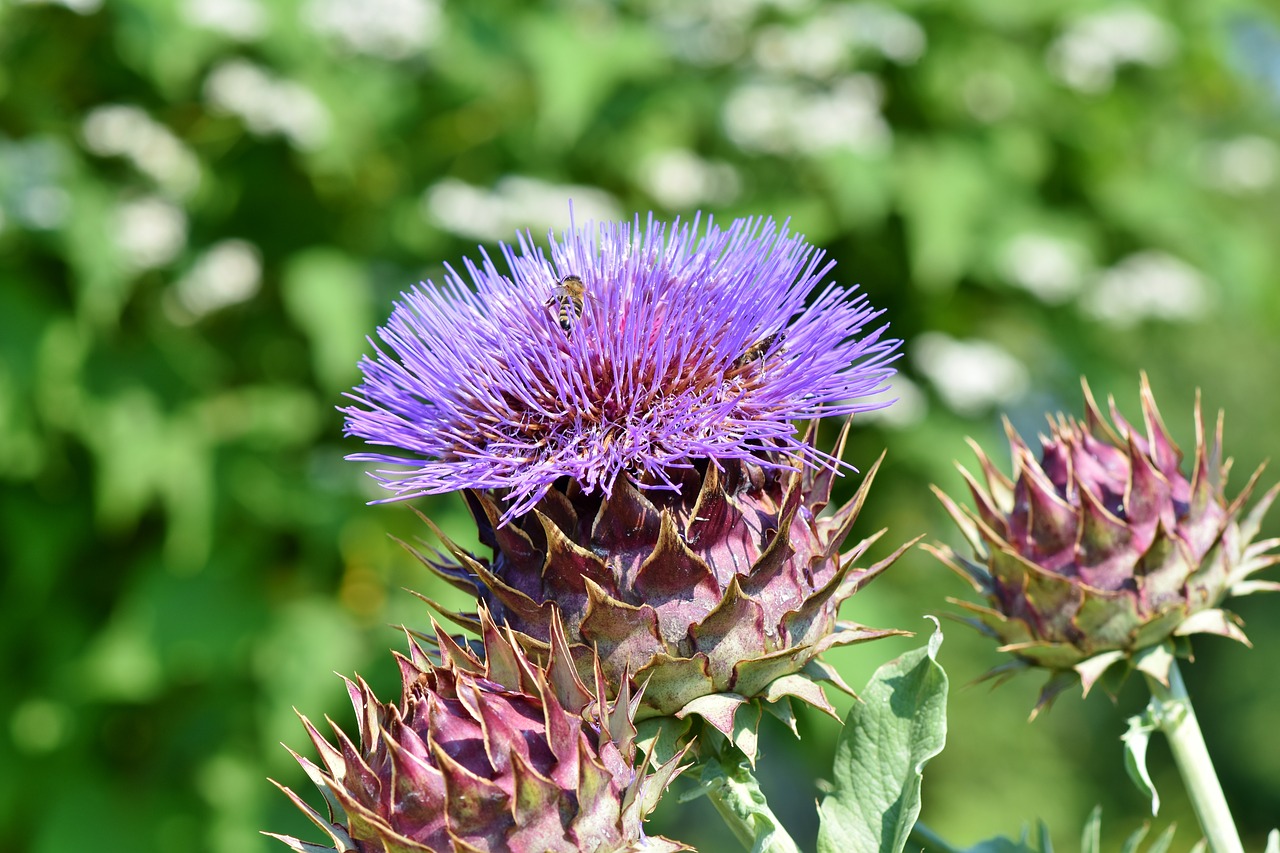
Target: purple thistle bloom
[{"x": 689, "y": 343}]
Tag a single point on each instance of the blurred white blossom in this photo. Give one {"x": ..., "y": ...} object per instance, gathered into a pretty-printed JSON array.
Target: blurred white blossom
[
  {"x": 783, "y": 118},
  {"x": 1088, "y": 53},
  {"x": 827, "y": 41},
  {"x": 970, "y": 376},
  {"x": 1051, "y": 269},
  {"x": 121, "y": 130},
  {"x": 1246, "y": 164},
  {"x": 824, "y": 39},
  {"x": 724, "y": 10},
  {"x": 268, "y": 104},
  {"x": 811, "y": 49},
  {"x": 988, "y": 95},
  {"x": 678, "y": 178},
  {"x": 229, "y": 272},
  {"x": 700, "y": 42},
  {"x": 392, "y": 29},
  {"x": 33, "y": 181},
  {"x": 515, "y": 202},
  {"x": 1147, "y": 285},
  {"x": 82, "y": 7},
  {"x": 149, "y": 232},
  {"x": 44, "y": 206},
  {"x": 909, "y": 408},
  {"x": 715, "y": 32},
  {"x": 242, "y": 20},
  {"x": 875, "y": 26}
]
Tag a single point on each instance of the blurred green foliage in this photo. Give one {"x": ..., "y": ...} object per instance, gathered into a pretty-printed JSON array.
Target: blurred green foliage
[{"x": 206, "y": 205}]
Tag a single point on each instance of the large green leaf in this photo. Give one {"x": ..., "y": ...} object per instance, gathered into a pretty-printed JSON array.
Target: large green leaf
[{"x": 888, "y": 737}]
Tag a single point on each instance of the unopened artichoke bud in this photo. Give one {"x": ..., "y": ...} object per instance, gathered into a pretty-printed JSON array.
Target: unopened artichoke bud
[
  {"x": 490, "y": 755},
  {"x": 1103, "y": 552},
  {"x": 625, "y": 429}
]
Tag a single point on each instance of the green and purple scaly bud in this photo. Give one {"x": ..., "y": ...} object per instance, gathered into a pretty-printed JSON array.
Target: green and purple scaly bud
[
  {"x": 490, "y": 755},
  {"x": 1103, "y": 552}
]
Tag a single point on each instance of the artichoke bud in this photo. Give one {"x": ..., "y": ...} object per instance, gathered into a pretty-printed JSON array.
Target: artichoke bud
[
  {"x": 1103, "y": 552},
  {"x": 492, "y": 754}
]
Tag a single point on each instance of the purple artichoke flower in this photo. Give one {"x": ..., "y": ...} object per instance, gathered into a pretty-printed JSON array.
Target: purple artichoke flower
[
  {"x": 688, "y": 344},
  {"x": 621, "y": 419}
]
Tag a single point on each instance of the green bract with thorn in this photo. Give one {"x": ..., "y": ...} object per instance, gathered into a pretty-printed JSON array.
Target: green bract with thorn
[{"x": 1103, "y": 552}]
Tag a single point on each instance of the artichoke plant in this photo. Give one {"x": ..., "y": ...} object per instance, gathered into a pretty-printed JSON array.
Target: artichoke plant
[
  {"x": 633, "y": 459},
  {"x": 1103, "y": 551},
  {"x": 490, "y": 755}
]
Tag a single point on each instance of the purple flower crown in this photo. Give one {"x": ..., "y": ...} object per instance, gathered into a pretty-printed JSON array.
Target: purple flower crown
[{"x": 688, "y": 343}]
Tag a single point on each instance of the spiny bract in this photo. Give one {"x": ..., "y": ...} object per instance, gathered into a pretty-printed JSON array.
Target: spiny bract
[
  {"x": 485, "y": 756},
  {"x": 1103, "y": 552}
]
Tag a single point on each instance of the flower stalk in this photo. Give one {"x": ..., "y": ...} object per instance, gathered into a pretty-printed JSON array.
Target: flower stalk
[
  {"x": 1172, "y": 712},
  {"x": 728, "y": 782}
]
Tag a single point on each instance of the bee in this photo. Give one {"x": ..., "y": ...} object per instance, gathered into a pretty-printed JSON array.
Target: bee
[
  {"x": 568, "y": 295},
  {"x": 759, "y": 350}
]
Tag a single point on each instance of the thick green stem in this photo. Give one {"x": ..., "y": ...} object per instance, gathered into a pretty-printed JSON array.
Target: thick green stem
[
  {"x": 1177, "y": 719},
  {"x": 734, "y": 791}
]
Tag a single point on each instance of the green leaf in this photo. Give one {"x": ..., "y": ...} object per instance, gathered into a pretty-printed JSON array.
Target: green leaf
[
  {"x": 945, "y": 190},
  {"x": 926, "y": 841},
  {"x": 1134, "y": 841},
  {"x": 558, "y": 47},
  {"x": 326, "y": 294},
  {"x": 1163, "y": 840},
  {"x": 1003, "y": 845},
  {"x": 1091, "y": 841},
  {"x": 1022, "y": 845},
  {"x": 1135, "y": 755},
  {"x": 880, "y": 758},
  {"x": 1091, "y": 837},
  {"x": 661, "y": 737}
]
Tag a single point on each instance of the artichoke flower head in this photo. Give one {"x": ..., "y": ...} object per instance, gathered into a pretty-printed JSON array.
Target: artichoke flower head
[
  {"x": 493, "y": 755},
  {"x": 1102, "y": 555},
  {"x": 622, "y": 420}
]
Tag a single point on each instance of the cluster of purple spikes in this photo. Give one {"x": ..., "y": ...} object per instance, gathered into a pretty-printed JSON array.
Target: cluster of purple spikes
[{"x": 485, "y": 388}]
